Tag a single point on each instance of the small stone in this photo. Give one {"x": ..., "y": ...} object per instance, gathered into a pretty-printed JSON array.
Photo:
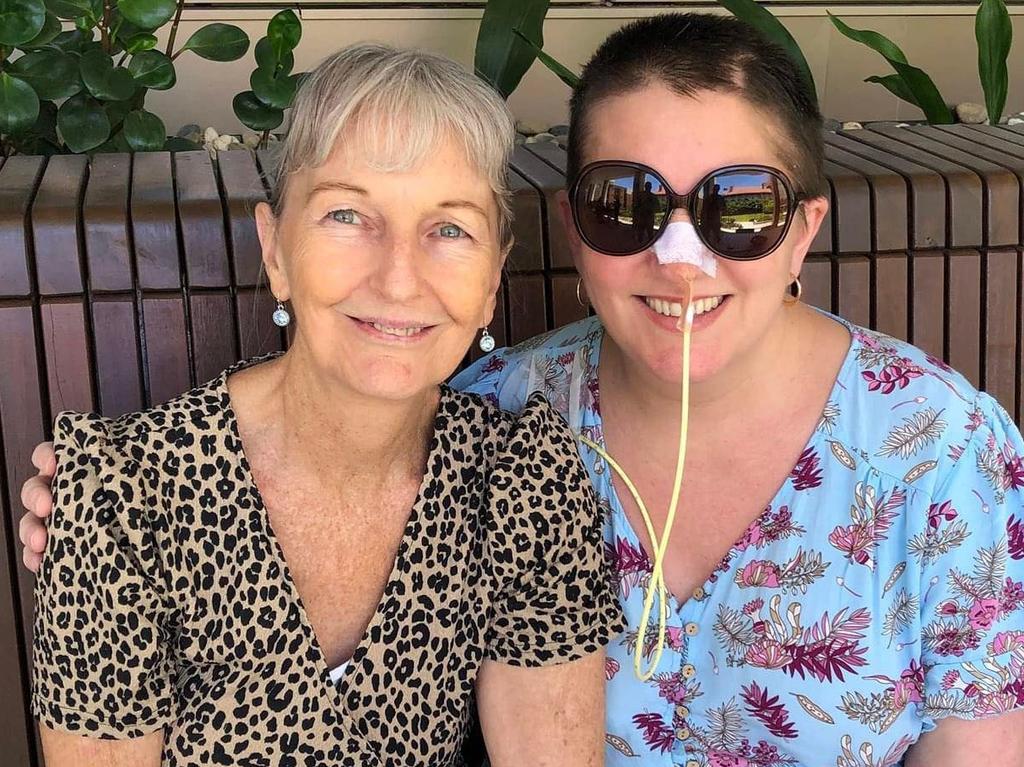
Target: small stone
[
  {"x": 559, "y": 130},
  {"x": 251, "y": 140},
  {"x": 902, "y": 125},
  {"x": 520, "y": 139},
  {"x": 972, "y": 114},
  {"x": 210, "y": 135},
  {"x": 562, "y": 141},
  {"x": 221, "y": 143},
  {"x": 832, "y": 124},
  {"x": 1015, "y": 121},
  {"x": 272, "y": 138},
  {"x": 187, "y": 131},
  {"x": 528, "y": 129},
  {"x": 541, "y": 137},
  {"x": 852, "y": 125}
]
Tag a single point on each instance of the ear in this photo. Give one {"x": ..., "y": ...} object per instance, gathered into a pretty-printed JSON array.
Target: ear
[
  {"x": 267, "y": 228},
  {"x": 810, "y": 217}
]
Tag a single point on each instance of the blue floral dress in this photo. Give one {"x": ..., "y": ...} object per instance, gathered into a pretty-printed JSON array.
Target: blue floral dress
[{"x": 879, "y": 591}]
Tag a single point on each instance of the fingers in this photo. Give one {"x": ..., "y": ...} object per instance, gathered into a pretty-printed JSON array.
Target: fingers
[
  {"x": 32, "y": 534},
  {"x": 44, "y": 459},
  {"x": 36, "y": 496}
]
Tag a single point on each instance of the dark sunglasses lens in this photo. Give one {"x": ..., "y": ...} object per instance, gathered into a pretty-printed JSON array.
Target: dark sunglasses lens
[
  {"x": 619, "y": 209},
  {"x": 743, "y": 214}
]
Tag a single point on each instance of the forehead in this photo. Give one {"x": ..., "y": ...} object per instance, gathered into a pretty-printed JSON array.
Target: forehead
[{"x": 682, "y": 137}]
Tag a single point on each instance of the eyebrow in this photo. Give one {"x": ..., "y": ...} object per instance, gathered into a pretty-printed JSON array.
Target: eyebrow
[
  {"x": 327, "y": 186},
  {"x": 469, "y": 204}
]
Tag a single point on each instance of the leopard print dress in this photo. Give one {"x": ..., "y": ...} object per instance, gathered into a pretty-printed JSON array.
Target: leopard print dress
[{"x": 164, "y": 602}]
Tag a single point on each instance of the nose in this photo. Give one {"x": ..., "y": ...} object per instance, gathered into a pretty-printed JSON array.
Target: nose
[
  {"x": 681, "y": 248},
  {"x": 397, "y": 276}
]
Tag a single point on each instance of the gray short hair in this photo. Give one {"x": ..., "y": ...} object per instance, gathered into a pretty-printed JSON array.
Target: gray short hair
[{"x": 399, "y": 105}]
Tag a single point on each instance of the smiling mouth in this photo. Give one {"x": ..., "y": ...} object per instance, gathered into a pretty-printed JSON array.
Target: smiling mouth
[
  {"x": 668, "y": 308},
  {"x": 399, "y": 332},
  {"x": 393, "y": 329}
]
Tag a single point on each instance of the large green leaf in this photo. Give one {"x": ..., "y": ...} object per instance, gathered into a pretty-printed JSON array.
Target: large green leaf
[
  {"x": 21, "y": 20},
  {"x": 69, "y": 9},
  {"x": 116, "y": 143},
  {"x": 82, "y": 123},
  {"x": 268, "y": 61},
  {"x": 218, "y": 42},
  {"x": 51, "y": 28},
  {"x": 102, "y": 79},
  {"x": 148, "y": 14},
  {"x": 561, "y": 71},
  {"x": 277, "y": 92},
  {"x": 72, "y": 41},
  {"x": 921, "y": 89},
  {"x": 765, "y": 22},
  {"x": 152, "y": 69},
  {"x": 502, "y": 56},
  {"x": 994, "y": 32},
  {"x": 143, "y": 41},
  {"x": 254, "y": 114},
  {"x": 19, "y": 104},
  {"x": 873, "y": 40},
  {"x": 52, "y": 74},
  {"x": 284, "y": 32},
  {"x": 895, "y": 85},
  {"x": 46, "y": 124},
  {"x": 144, "y": 131}
]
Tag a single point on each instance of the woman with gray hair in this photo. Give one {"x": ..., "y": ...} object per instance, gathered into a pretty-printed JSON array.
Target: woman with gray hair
[{"x": 181, "y": 616}]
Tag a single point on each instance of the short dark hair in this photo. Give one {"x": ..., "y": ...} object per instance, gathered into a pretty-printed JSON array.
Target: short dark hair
[{"x": 694, "y": 52}]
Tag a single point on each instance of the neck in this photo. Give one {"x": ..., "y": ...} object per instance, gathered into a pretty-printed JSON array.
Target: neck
[{"x": 358, "y": 435}]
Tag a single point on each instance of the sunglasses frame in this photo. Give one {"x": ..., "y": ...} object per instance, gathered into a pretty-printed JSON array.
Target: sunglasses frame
[{"x": 687, "y": 202}]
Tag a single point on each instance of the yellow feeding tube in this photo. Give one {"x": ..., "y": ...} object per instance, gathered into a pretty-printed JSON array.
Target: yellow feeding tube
[{"x": 657, "y": 586}]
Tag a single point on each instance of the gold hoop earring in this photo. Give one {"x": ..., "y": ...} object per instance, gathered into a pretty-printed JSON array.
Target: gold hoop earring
[
  {"x": 794, "y": 298},
  {"x": 579, "y": 297}
]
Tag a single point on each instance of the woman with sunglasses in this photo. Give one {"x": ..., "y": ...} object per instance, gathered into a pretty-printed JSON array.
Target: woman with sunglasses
[
  {"x": 182, "y": 618},
  {"x": 846, "y": 570}
]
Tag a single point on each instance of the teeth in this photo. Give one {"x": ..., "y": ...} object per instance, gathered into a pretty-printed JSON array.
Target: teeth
[
  {"x": 673, "y": 309},
  {"x": 401, "y": 332}
]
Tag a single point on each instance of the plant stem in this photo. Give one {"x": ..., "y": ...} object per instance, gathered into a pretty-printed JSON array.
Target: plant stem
[
  {"x": 123, "y": 57},
  {"x": 265, "y": 139},
  {"x": 105, "y": 39},
  {"x": 174, "y": 28}
]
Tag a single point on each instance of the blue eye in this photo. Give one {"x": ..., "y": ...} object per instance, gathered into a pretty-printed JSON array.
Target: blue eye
[
  {"x": 344, "y": 216},
  {"x": 451, "y": 231}
]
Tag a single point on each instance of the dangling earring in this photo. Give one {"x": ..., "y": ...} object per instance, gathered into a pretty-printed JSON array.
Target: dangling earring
[
  {"x": 790, "y": 297},
  {"x": 579, "y": 298},
  {"x": 281, "y": 316},
  {"x": 486, "y": 342}
]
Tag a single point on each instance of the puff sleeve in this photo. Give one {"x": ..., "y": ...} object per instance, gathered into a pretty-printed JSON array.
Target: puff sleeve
[
  {"x": 103, "y": 627},
  {"x": 554, "y": 599}
]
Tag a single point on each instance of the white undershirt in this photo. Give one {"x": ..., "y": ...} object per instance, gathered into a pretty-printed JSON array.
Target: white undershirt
[{"x": 338, "y": 672}]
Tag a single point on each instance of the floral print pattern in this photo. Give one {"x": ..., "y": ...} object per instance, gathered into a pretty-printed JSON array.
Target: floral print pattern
[{"x": 880, "y": 590}]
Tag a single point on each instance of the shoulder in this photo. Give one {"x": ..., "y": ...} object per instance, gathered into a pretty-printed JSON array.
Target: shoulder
[{"x": 908, "y": 413}]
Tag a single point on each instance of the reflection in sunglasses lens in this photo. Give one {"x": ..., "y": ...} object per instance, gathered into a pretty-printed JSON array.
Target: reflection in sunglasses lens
[
  {"x": 620, "y": 209},
  {"x": 743, "y": 214}
]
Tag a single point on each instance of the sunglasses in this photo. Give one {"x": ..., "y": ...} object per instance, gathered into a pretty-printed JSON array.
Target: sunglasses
[{"x": 740, "y": 212}]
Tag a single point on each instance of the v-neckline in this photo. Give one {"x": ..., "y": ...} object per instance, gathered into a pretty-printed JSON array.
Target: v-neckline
[
  {"x": 618, "y": 510},
  {"x": 395, "y": 576}
]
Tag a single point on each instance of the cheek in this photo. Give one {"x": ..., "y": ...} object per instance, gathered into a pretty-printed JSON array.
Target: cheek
[
  {"x": 463, "y": 289},
  {"x": 606, "y": 277}
]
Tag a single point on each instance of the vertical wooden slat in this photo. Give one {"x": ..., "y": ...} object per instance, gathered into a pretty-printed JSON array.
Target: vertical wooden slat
[
  {"x": 1001, "y": 302},
  {"x": 816, "y": 281},
  {"x": 55, "y": 220},
  {"x": 256, "y": 330},
  {"x": 118, "y": 375},
  {"x": 213, "y": 334},
  {"x": 891, "y": 294},
  {"x": 202, "y": 220},
  {"x": 964, "y": 339},
  {"x": 549, "y": 183},
  {"x": 928, "y": 270},
  {"x": 166, "y": 347},
  {"x": 852, "y": 201},
  {"x": 22, "y": 427},
  {"x": 243, "y": 190},
  {"x": 854, "y": 289},
  {"x": 526, "y": 307},
  {"x": 527, "y": 226},
  {"x": 154, "y": 226},
  {"x": 564, "y": 304},
  {"x": 889, "y": 199},
  {"x": 105, "y": 222},
  {"x": 19, "y": 178},
  {"x": 66, "y": 343},
  {"x": 927, "y": 189}
]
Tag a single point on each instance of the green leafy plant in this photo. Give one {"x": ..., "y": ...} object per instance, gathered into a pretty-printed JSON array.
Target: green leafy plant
[
  {"x": 272, "y": 84},
  {"x": 510, "y": 37},
  {"x": 102, "y": 101},
  {"x": 994, "y": 33}
]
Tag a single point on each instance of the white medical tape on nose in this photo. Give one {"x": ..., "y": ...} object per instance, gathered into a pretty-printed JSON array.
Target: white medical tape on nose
[{"x": 679, "y": 244}]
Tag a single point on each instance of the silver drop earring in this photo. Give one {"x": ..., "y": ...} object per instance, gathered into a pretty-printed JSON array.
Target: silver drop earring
[
  {"x": 281, "y": 317},
  {"x": 486, "y": 342}
]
